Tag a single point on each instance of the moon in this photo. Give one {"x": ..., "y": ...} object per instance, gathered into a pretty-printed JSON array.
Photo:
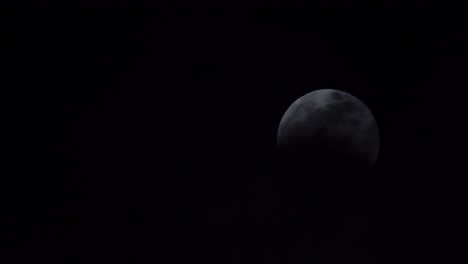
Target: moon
[{"x": 330, "y": 125}]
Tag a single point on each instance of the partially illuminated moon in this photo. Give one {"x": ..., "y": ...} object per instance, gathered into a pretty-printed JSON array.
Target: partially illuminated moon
[{"x": 332, "y": 125}]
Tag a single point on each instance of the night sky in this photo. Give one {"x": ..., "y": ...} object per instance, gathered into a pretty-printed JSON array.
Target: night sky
[{"x": 146, "y": 132}]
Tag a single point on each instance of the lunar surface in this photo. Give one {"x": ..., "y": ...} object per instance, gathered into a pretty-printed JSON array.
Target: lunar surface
[{"x": 330, "y": 125}]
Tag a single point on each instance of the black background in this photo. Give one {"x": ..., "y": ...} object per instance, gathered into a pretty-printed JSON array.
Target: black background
[{"x": 145, "y": 132}]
